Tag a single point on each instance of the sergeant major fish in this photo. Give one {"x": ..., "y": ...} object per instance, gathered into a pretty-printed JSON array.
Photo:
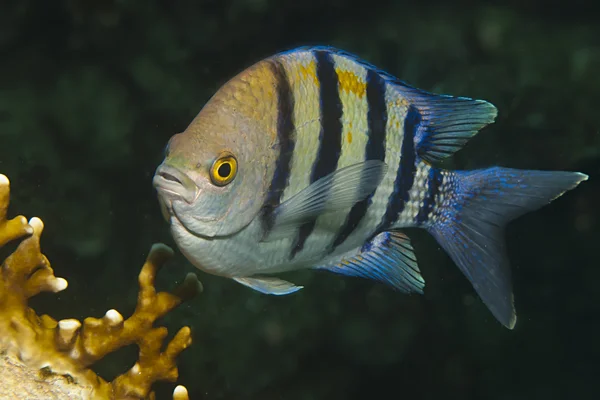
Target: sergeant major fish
[{"x": 313, "y": 158}]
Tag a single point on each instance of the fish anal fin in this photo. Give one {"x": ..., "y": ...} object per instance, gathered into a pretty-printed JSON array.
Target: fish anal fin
[
  {"x": 388, "y": 258},
  {"x": 269, "y": 285}
]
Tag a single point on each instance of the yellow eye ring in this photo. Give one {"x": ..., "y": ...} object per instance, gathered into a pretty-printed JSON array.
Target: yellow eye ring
[{"x": 223, "y": 170}]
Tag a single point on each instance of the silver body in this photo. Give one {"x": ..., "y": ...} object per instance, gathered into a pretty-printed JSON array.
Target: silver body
[
  {"x": 243, "y": 253},
  {"x": 328, "y": 157}
]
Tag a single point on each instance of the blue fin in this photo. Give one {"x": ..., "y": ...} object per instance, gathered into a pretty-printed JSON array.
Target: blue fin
[
  {"x": 269, "y": 285},
  {"x": 470, "y": 226},
  {"x": 388, "y": 258},
  {"x": 333, "y": 192},
  {"x": 448, "y": 121}
]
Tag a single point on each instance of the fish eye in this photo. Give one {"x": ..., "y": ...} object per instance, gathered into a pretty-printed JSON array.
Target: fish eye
[{"x": 223, "y": 170}]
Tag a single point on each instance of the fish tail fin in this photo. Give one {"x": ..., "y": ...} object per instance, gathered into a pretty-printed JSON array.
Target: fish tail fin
[{"x": 473, "y": 209}]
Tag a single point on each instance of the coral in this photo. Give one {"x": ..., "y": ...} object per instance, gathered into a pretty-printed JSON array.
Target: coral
[{"x": 42, "y": 358}]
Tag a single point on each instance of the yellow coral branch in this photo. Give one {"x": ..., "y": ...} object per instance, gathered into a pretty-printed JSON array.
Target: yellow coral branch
[
  {"x": 153, "y": 365},
  {"x": 68, "y": 347},
  {"x": 10, "y": 229},
  {"x": 101, "y": 336}
]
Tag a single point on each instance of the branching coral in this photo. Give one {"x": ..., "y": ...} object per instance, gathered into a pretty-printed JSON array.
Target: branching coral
[{"x": 42, "y": 358}]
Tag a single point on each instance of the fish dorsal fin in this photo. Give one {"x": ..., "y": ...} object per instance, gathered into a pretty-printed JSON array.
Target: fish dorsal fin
[
  {"x": 447, "y": 122},
  {"x": 388, "y": 258},
  {"x": 333, "y": 192}
]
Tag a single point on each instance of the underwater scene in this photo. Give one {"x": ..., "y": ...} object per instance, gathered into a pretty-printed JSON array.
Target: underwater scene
[{"x": 281, "y": 200}]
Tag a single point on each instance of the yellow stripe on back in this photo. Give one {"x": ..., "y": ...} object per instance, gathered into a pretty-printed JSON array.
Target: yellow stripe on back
[
  {"x": 308, "y": 71},
  {"x": 349, "y": 79},
  {"x": 352, "y": 88}
]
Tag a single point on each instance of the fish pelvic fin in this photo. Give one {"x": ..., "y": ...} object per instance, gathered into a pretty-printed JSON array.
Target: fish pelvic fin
[
  {"x": 469, "y": 220},
  {"x": 387, "y": 258},
  {"x": 269, "y": 285}
]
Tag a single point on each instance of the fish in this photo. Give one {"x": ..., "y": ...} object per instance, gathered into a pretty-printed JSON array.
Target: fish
[{"x": 313, "y": 158}]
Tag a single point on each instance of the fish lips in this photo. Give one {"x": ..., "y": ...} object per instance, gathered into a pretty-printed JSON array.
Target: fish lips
[
  {"x": 172, "y": 184},
  {"x": 175, "y": 188}
]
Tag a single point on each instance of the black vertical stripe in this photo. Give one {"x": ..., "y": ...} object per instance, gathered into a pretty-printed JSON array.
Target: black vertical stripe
[
  {"x": 330, "y": 137},
  {"x": 374, "y": 150},
  {"x": 285, "y": 139},
  {"x": 434, "y": 181},
  {"x": 405, "y": 176}
]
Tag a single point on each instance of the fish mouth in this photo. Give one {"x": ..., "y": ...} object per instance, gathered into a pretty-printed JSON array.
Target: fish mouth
[{"x": 171, "y": 183}]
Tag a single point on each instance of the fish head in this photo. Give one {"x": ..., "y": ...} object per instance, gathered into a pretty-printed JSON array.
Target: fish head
[{"x": 215, "y": 174}]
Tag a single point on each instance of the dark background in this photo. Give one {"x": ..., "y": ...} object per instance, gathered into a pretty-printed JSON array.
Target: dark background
[{"x": 90, "y": 92}]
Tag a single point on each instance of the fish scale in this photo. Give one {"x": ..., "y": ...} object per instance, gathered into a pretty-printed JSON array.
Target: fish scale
[
  {"x": 302, "y": 75},
  {"x": 371, "y": 90},
  {"x": 351, "y": 84},
  {"x": 329, "y": 158},
  {"x": 416, "y": 196},
  {"x": 330, "y": 135}
]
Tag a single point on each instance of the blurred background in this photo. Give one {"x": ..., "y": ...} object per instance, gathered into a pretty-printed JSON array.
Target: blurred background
[{"x": 91, "y": 90}]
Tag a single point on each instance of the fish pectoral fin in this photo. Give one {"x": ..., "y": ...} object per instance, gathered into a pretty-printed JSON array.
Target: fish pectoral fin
[
  {"x": 448, "y": 122},
  {"x": 388, "y": 258},
  {"x": 269, "y": 285},
  {"x": 336, "y": 191}
]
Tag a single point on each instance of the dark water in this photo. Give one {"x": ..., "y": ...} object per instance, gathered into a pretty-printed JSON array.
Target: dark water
[{"x": 90, "y": 91}]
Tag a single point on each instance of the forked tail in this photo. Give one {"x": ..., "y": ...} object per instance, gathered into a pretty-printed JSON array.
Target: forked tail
[{"x": 470, "y": 218}]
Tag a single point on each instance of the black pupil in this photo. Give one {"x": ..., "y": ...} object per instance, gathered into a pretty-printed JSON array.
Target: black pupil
[{"x": 224, "y": 170}]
